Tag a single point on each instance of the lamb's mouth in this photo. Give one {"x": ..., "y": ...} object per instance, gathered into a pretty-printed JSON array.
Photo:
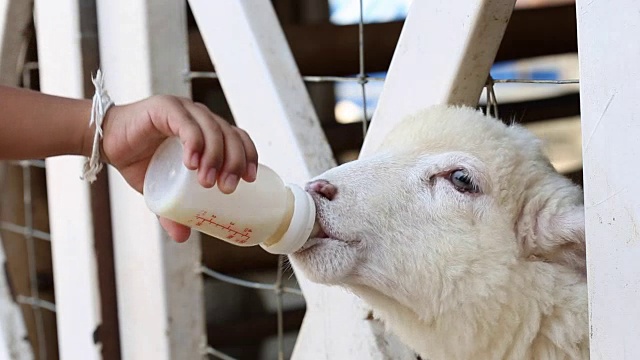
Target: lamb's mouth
[{"x": 319, "y": 236}]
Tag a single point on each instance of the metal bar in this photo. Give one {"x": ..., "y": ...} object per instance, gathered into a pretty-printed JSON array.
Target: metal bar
[
  {"x": 279, "y": 310},
  {"x": 362, "y": 79}
]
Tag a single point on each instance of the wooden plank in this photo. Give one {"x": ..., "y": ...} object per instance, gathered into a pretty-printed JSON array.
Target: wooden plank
[
  {"x": 108, "y": 334},
  {"x": 13, "y": 333},
  {"x": 15, "y": 21},
  {"x": 465, "y": 35},
  {"x": 254, "y": 73},
  {"x": 524, "y": 38},
  {"x": 17, "y": 320},
  {"x": 143, "y": 50},
  {"x": 23, "y": 202},
  {"x": 75, "y": 270},
  {"x": 610, "y": 87}
]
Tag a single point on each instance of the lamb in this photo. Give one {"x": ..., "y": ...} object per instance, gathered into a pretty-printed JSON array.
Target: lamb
[{"x": 462, "y": 238}]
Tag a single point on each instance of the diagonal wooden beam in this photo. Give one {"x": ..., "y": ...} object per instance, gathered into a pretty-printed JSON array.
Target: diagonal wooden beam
[
  {"x": 263, "y": 86},
  {"x": 443, "y": 56}
]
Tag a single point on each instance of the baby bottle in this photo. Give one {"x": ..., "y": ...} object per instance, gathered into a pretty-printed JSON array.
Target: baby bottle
[{"x": 279, "y": 217}]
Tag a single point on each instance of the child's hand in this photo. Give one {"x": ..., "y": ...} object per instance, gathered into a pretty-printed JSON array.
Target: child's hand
[{"x": 220, "y": 152}]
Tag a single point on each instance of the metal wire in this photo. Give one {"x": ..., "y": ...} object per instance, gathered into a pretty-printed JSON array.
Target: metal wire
[
  {"x": 31, "y": 260},
  {"x": 492, "y": 101},
  {"x": 33, "y": 163},
  {"x": 362, "y": 78},
  {"x": 278, "y": 289},
  {"x": 530, "y": 81},
  {"x": 248, "y": 284},
  {"x": 36, "y": 303},
  {"x": 25, "y": 231},
  {"x": 309, "y": 78},
  {"x": 218, "y": 354}
]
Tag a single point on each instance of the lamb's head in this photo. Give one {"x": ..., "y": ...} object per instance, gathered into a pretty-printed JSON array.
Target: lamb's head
[{"x": 443, "y": 213}]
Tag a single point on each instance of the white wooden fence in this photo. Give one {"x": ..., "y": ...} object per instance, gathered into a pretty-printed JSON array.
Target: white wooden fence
[{"x": 443, "y": 56}]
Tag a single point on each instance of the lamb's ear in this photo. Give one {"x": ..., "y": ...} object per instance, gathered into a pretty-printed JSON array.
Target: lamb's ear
[{"x": 556, "y": 234}]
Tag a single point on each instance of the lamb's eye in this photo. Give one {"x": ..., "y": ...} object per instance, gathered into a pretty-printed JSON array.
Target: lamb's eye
[{"x": 462, "y": 181}]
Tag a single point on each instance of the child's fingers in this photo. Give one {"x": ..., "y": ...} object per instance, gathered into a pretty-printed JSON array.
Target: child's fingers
[
  {"x": 235, "y": 164},
  {"x": 214, "y": 143},
  {"x": 251, "y": 155},
  {"x": 171, "y": 118}
]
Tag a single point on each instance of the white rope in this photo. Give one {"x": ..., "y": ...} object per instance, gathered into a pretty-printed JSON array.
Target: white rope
[{"x": 101, "y": 104}]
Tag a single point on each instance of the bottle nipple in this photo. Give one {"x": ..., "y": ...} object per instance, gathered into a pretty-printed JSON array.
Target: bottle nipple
[{"x": 300, "y": 227}]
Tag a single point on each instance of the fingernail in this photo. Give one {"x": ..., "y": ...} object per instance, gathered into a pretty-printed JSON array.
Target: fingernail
[
  {"x": 252, "y": 171},
  {"x": 211, "y": 176},
  {"x": 195, "y": 160},
  {"x": 231, "y": 182}
]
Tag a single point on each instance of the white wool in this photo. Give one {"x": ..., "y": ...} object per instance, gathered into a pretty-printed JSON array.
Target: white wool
[{"x": 494, "y": 275}]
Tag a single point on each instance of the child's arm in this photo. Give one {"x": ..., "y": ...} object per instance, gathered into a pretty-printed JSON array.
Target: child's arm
[{"x": 35, "y": 125}]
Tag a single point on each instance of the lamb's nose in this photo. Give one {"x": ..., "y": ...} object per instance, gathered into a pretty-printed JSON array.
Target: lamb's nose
[{"x": 323, "y": 188}]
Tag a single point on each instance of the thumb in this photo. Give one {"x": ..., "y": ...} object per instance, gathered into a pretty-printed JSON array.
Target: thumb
[{"x": 178, "y": 232}]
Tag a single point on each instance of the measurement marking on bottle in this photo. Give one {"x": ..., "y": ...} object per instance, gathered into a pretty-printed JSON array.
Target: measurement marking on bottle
[{"x": 233, "y": 234}]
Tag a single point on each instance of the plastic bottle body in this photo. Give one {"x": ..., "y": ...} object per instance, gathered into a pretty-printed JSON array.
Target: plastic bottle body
[{"x": 261, "y": 212}]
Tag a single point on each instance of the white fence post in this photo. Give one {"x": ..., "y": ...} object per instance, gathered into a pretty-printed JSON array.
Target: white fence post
[
  {"x": 15, "y": 16},
  {"x": 60, "y": 59},
  {"x": 609, "y": 91},
  {"x": 143, "y": 51}
]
